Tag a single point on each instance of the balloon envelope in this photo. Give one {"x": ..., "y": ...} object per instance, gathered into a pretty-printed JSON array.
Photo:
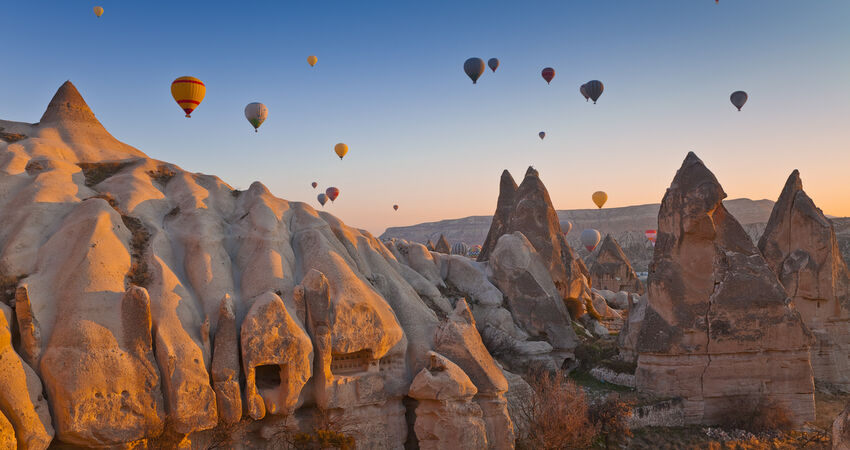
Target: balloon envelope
[
  {"x": 395, "y": 207},
  {"x": 566, "y": 227},
  {"x": 542, "y": 134},
  {"x": 312, "y": 60},
  {"x": 590, "y": 239},
  {"x": 738, "y": 99},
  {"x": 314, "y": 184},
  {"x": 594, "y": 89},
  {"x": 493, "y": 63},
  {"x": 583, "y": 90},
  {"x": 651, "y": 234},
  {"x": 256, "y": 114},
  {"x": 323, "y": 198},
  {"x": 332, "y": 193},
  {"x": 474, "y": 67},
  {"x": 599, "y": 198},
  {"x": 98, "y": 11},
  {"x": 548, "y": 73},
  {"x": 188, "y": 92},
  {"x": 340, "y": 149}
]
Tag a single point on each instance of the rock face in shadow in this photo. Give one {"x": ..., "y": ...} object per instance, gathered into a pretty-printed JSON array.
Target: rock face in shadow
[
  {"x": 528, "y": 209},
  {"x": 718, "y": 325},
  {"x": 611, "y": 270},
  {"x": 155, "y": 303},
  {"x": 443, "y": 246},
  {"x": 799, "y": 244}
]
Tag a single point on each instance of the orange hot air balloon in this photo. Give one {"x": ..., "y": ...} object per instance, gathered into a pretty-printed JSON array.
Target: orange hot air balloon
[
  {"x": 340, "y": 150},
  {"x": 332, "y": 193},
  {"x": 98, "y": 11},
  {"x": 188, "y": 92},
  {"x": 600, "y": 198}
]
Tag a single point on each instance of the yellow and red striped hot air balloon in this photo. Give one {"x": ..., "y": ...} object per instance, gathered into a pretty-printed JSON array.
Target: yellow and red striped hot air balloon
[
  {"x": 188, "y": 92},
  {"x": 98, "y": 11}
]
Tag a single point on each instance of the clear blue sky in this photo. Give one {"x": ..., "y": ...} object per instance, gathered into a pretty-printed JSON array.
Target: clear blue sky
[{"x": 389, "y": 83}]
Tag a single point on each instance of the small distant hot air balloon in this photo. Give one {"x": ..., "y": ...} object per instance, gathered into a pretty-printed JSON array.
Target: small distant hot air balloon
[
  {"x": 493, "y": 63},
  {"x": 256, "y": 114},
  {"x": 594, "y": 89},
  {"x": 314, "y": 184},
  {"x": 312, "y": 60},
  {"x": 599, "y": 197},
  {"x": 651, "y": 234},
  {"x": 98, "y": 11},
  {"x": 542, "y": 134},
  {"x": 395, "y": 207},
  {"x": 566, "y": 227},
  {"x": 474, "y": 251},
  {"x": 323, "y": 198},
  {"x": 590, "y": 239},
  {"x": 738, "y": 99},
  {"x": 548, "y": 73},
  {"x": 340, "y": 150},
  {"x": 583, "y": 90},
  {"x": 461, "y": 248},
  {"x": 474, "y": 67},
  {"x": 332, "y": 193},
  {"x": 188, "y": 92}
]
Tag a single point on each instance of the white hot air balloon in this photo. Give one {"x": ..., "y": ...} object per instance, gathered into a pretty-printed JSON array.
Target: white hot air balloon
[
  {"x": 256, "y": 113},
  {"x": 590, "y": 239}
]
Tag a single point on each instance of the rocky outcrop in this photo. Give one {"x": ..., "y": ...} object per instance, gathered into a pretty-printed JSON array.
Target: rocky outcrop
[
  {"x": 446, "y": 416},
  {"x": 225, "y": 365},
  {"x": 528, "y": 209},
  {"x": 841, "y": 430},
  {"x": 718, "y": 326},
  {"x": 443, "y": 246},
  {"x": 610, "y": 269},
  {"x": 799, "y": 244}
]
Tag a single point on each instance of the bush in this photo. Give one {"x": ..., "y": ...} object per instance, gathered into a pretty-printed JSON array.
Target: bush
[
  {"x": 554, "y": 415},
  {"x": 97, "y": 172},
  {"x": 162, "y": 174},
  {"x": 756, "y": 414},
  {"x": 610, "y": 417}
]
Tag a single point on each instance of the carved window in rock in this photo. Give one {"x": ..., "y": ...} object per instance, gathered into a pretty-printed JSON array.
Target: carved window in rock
[{"x": 350, "y": 363}]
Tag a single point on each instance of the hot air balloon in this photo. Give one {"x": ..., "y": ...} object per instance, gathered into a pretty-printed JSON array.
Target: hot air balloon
[
  {"x": 256, "y": 114},
  {"x": 98, "y": 11},
  {"x": 650, "y": 234},
  {"x": 548, "y": 73},
  {"x": 332, "y": 193},
  {"x": 583, "y": 90},
  {"x": 340, "y": 149},
  {"x": 188, "y": 92},
  {"x": 599, "y": 198},
  {"x": 738, "y": 99},
  {"x": 312, "y": 60},
  {"x": 493, "y": 63},
  {"x": 314, "y": 184},
  {"x": 474, "y": 67},
  {"x": 590, "y": 239},
  {"x": 395, "y": 207},
  {"x": 322, "y": 198},
  {"x": 542, "y": 134},
  {"x": 594, "y": 89},
  {"x": 474, "y": 251},
  {"x": 461, "y": 248},
  {"x": 566, "y": 227}
]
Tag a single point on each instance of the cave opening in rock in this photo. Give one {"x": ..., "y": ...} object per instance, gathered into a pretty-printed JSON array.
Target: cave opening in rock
[{"x": 268, "y": 376}]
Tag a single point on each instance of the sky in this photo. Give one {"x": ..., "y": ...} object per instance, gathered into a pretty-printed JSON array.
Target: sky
[{"x": 390, "y": 83}]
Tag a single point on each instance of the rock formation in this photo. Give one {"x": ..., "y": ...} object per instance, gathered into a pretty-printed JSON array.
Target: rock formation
[
  {"x": 799, "y": 244},
  {"x": 528, "y": 209},
  {"x": 156, "y": 304},
  {"x": 610, "y": 269},
  {"x": 718, "y": 326},
  {"x": 446, "y": 416},
  {"x": 841, "y": 430},
  {"x": 443, "y": 246}
]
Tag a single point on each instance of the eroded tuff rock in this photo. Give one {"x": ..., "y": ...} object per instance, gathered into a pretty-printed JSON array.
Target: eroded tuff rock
[
  {"x": 528, "y": 209},
  {"x": 85, "y": 218},
  {"x": 610, "y": 269},
  {"x": 443, "y": 246},
  {"x": 24, "y": 415},
  {"x": 718, "y": 326},
  {"x": 799, "y": 244},
  {"x": 446, "y": 416}
]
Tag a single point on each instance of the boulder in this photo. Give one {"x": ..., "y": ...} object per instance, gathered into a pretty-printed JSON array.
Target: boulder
[
  {"x": 528, "y": 209},
  {"x": 610, "y": 269},
  {"x": 718, "y": 325},
  {"x": 800, "y": 245},
  {"x": 446, "y": 415},
  {"x": 522, "y": 277}
]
